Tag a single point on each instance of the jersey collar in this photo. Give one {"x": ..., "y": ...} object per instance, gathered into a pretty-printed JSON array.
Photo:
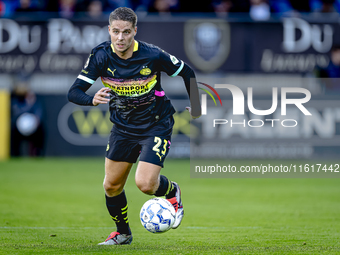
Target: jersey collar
[{"x": 135, "y": 46}]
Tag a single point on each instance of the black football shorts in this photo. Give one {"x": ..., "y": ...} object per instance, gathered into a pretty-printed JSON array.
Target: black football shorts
[{"x": 151, "y": 148}]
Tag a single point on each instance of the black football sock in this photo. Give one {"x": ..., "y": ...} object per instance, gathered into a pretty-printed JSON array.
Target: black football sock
[
  {"x": 166, "y": 188},
  {"x": 172, "y": 191},
  {"x": 117, "y": 207}
]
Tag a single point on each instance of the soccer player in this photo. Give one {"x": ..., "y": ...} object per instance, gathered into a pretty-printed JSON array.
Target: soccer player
[{"x": 141, "y": 114}]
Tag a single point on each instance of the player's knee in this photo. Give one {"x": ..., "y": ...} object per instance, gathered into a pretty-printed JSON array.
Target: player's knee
[
  {"x": 112, "y": 189},
  {"x": 146, "y": 187}
]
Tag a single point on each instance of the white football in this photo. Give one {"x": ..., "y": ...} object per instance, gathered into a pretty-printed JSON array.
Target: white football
[{"x": 157, "y": 215}]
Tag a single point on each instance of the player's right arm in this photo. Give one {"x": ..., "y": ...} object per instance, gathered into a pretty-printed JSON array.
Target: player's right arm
[
  {"x": 101, "y": 96},
  {"x": 90, "y": 73}
]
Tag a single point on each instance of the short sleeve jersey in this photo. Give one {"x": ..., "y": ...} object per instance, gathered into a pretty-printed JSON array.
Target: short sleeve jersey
[{"x": 137, "y": 101}]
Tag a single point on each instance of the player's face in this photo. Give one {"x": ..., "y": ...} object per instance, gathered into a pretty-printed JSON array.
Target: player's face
[{"x": 122, "y": 35}]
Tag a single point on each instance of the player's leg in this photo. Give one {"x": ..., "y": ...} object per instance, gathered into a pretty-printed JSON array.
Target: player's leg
[
  {"x": 116, "y": 174},
  {"x": 122, "y": 151},
  {"x": 175, "y": 198},
  {"x": 149, "y": 181},
  {"x": 148, "y": 178}
]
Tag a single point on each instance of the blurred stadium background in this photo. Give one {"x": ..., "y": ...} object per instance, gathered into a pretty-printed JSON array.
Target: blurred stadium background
[
  {"x": 56, "y": 205},
  {"x": 249, "y": 43}
]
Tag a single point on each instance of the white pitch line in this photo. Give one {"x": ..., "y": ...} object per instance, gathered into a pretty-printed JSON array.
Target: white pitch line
[
  {"x": 55, "y": 227},
  {"x": 218, "y": 227},
  {"x": 75, "y": 228}
]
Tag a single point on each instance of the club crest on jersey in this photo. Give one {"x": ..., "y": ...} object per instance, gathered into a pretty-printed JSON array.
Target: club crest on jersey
[{"x": 145, "y": 71}]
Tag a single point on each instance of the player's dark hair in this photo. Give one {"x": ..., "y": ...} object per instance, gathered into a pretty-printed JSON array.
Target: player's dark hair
[{"x": 125, "y": 14}]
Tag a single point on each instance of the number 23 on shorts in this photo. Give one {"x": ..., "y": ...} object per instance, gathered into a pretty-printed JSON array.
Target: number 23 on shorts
[{"x": 159, "y": 149}]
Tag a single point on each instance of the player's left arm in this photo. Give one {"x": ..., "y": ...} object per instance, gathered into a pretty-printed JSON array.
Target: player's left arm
[
  {"x": 190, "y": 82},
  {"x": 173, "y": 67}
]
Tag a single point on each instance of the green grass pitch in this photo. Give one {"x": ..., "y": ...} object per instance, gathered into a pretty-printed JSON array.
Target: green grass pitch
[{"x": 57, "y": 206}]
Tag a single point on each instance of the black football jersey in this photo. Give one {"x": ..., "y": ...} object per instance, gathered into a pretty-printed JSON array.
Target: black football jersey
[{"x": 137, "y": 99}]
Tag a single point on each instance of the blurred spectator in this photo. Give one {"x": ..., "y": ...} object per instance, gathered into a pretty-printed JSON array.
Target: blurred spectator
[
  {"x": 237, "y": 6},
  {"x": 304, "y": 6},
  {"x": 95, "y": 9},
  {"x": 327, "y": 6},
  {"x": 7, "y": 8},
  {"x": 333, "y": 69},
  {"x": 111, "y": 5},
  {"x": 64, "y": 8},
  {"x": 280, "y": 6},
  {"x": 67, "y": 8},
  {"x": 329, "y": 74},
  {"x": 26, "y": 6},
  {"x": 290, "y": 7},
  {"x": 222, "y": 6},
  {"x": 164, "y": 6},
  {"x": 2, "y": 8},
  {"x": 227, "y": 6},
  {"x": 27, "y": 133},
  {"x": 259, "y": 10}
]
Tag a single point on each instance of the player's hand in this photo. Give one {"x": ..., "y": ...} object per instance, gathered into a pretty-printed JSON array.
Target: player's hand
[
  {"x": 101, "y": 97},
  {"x": 189, "y": 109}
]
